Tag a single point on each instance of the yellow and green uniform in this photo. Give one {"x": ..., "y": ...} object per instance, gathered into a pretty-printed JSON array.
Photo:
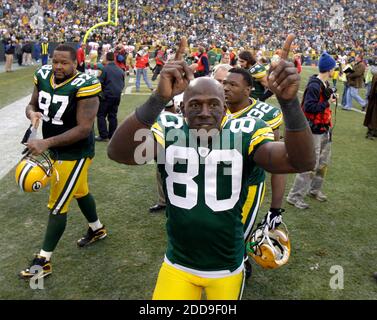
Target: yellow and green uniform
[
  {"x": 257, "y": 72},
  {"x": 58, "y": 104},
  {"x": 274, "y": 118},
  {"x": 206, "y": 189}
]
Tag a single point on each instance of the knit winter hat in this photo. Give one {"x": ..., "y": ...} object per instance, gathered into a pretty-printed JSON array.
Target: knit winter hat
[{"x": 326, "y": 62}]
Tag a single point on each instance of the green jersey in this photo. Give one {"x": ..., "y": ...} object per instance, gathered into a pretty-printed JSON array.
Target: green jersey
[
  {"x": 271, "y": 115},
  {"x": 212, "y": 57},
  {"x": 206, "y": 188},
  {"x": 58, "y": 105},
  {"x": 257, "y": 71}
]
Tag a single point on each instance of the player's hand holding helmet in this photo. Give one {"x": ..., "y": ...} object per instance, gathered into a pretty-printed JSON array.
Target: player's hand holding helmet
[
  {"x": 273, "y": 218},
  {"x": 269, "y": 248}
]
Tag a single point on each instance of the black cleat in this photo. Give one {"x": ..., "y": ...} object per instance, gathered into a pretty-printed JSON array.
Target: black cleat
[
  {"x": 37, "y": 261},
  {"x": 92, "y": 236}
]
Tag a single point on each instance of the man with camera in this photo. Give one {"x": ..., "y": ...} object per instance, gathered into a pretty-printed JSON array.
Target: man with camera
[{"x": 316, "y": 105}]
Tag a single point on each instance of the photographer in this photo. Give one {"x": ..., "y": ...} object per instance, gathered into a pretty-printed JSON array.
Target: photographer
[{"x": 316, "y": 105}]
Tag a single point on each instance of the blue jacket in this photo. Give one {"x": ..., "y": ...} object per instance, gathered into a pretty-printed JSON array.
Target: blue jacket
[{"x": 112, "y": 80}]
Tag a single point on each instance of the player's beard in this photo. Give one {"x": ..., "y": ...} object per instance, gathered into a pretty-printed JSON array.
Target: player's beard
[{"x": 66, "y": 77}]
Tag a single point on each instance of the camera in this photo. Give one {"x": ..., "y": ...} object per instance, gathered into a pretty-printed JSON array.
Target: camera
[{"x": 330, "y": 93}]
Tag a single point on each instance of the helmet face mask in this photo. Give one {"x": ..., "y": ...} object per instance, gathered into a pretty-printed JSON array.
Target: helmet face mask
[
  {"x": 33, "y": 174},
  {"x": 269, "y": 248}
]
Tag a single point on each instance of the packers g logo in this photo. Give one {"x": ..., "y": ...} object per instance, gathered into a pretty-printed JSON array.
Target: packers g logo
[{"x": 36, "y": 186}]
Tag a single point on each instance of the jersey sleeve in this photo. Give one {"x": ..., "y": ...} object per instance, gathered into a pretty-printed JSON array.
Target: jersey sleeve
[
  {"x": 91, "y": 87},
  {"x": 261, "y": 135},
  {"x": 276, "y": 119},
  {"x": 159, "y": 132},
  {"x": 258, "y": 71},
  {"x": 42, "y": 74},
  {"x": 165, "y": 121},
  {"x": 35, "y": 78}
]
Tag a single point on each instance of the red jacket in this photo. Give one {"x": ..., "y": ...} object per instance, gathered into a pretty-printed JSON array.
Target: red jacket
[
  {"x": 298, "y": 66},
  {"x": 142, "y": 61},
  {"x": 80, "y": 55},
  {"x": 160, "y": 58}
]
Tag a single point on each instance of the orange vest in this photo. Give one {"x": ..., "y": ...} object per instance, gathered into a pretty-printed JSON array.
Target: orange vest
[
  {"x": 200, "y": 63},
  {"x": 142, "y": 62}
]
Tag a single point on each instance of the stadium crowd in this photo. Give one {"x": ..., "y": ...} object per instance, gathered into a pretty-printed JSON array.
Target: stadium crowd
[{"x": 249, "y": 24}]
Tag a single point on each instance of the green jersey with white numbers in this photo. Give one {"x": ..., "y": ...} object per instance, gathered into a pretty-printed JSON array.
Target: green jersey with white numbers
[
  {"x": 271, "y": 115},
  {"x": 58, "y": 104},
  {"x": 206, "y": 187},
  {"x": 257, "y": 72}
]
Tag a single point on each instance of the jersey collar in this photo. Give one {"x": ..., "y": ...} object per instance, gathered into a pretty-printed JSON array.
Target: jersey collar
[
  {"x": 242, "y": 111},
  {"x": 55, "y": 86}
]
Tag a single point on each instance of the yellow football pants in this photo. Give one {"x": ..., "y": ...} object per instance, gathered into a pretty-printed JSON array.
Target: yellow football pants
[
  {"x": 69, "y": 180},
  {"x": 175, "y": 284}
]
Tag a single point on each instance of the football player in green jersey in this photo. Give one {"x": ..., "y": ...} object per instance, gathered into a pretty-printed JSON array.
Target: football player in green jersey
[
  {"x": 66, "y": 101},
  {"x": 237, "y": 87},
  {"x": 206, "y": 181},
  {"x": 246, "y": 60}
]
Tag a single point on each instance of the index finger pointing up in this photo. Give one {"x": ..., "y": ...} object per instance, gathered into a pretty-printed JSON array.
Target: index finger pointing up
[
  {"x": 181, "y": 49},
  {"x": 287, "y": 46}
]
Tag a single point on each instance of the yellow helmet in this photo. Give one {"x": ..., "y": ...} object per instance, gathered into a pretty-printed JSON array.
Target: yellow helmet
[
  {"x": 33, "y": 174},
  {"x": 269, "y": 248}
]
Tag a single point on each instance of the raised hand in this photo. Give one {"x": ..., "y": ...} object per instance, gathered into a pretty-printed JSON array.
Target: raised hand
[
  {"x": 175, "y": 75},
  {"x": 181, "y": 49},
  {"x": 283, "y": 78}
]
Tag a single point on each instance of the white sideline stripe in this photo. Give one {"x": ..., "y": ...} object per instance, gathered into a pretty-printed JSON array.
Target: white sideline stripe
[
  {"x": 357, "y": 110},
  {"x": 129, "y": 90},
  {"x": 13, "y": 124}
]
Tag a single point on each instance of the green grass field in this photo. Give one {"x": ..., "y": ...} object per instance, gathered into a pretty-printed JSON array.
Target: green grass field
[
  {"x": 15, "y": 85},
  {"x": 340, "y": 232}
]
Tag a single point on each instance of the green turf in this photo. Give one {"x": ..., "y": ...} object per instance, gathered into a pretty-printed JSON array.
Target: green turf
[
  {"x": 125, "y": 265},
  {"x": 16, "y": 84}
]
